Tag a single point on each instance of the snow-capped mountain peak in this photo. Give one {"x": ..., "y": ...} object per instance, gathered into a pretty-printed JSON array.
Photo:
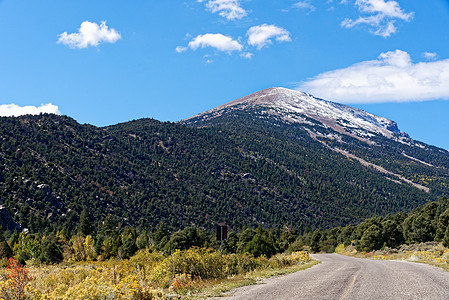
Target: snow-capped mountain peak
[{"x": 294, "y": 105}]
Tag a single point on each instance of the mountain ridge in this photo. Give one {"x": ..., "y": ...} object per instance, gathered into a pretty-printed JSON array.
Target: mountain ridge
[
  {"x": 327, "y": 112},
  {"x": 330, "y": 125}
]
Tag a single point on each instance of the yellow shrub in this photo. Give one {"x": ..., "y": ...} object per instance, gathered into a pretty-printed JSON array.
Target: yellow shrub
[
  {"x": 181, "y": 282},
  {"x": 143, "y": 276},
  {"x": 283, "y": 260}
]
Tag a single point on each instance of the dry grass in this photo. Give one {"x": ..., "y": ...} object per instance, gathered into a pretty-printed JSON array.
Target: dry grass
[
  {"x": 199, "y": 273},
  {"x": 217, "y": 288},
  {"x": 431, "y": 253}
]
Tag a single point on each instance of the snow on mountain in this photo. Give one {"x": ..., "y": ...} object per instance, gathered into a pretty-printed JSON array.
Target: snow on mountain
[{"x": 294, "y": 105}]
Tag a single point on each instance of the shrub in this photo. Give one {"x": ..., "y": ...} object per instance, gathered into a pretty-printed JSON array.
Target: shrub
[
  {"x": 371, "y": 239},
  {"x": 284, "y": 260},
  {"x": 15, "y": 288},
  {"x": 260, "y": 245},
  {"x": 181, "y": 282}
]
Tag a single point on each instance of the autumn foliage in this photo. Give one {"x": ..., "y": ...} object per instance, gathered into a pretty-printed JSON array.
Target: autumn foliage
[
  {"x": 15, "y": 286},
  {"x": 146, "y": 275}
]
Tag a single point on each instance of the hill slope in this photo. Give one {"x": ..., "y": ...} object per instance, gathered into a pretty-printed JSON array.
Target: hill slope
[{"x": 243, "y": 164}]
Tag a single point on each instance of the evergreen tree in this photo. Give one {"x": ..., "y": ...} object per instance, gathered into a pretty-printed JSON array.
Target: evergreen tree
[
  {"x": 142, "y": 240},
  {"x": 5, "y": 249},
  {"x": 128, "y": 247},
  {"x": 85, "y": 226},
  {"x": 184, "y": 239},
  {"x": 260, "y": 244},
  {"x": 161, "y": 236},
  {"x": 51, "y": 249},
  {"x": 371, "y": 239},
  {"x": 245, "y": 236},
  {"x": 315, "y": 241},
  {"x": 392, "y": 233},
  {"x": 346, "y": 235},
  {"x": 446, "y": 238},
  {"x": 109, "y": 226},
  {"x": 109, "y": 248},
  {"x": 442, "y": 225},
  {"x": 418, "y": 228},
  {"x": 14, "y": 239},
  {"x": 287, "y": 237},
  {"x": 230, "y": 245}
]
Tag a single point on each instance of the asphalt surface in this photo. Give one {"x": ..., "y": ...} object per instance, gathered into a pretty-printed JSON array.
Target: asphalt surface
[{"x": 341, "y": 277}]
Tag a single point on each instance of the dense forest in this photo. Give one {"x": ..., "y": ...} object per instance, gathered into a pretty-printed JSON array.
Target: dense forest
[
  {"x": 112, "y": 242},
  {"x": 426, "y": 223},
  {"x": 244, "y": 170}
]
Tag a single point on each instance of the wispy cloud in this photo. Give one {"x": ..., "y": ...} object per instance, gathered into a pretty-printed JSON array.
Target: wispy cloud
[
  {"x": 379, "y": 15},
  {"x": 229, "y": 9},
  {"x": 392, "y": 77},
  {"x": 181, "y": 49},
  {"x": 305, "y": 4},
  {"x": 430, "y": 55},
  {"x": 13, "y": 110},
  {"x": 261, "y": 36},
  {"x": 215, "y": 40},
  {"x": 247, "y": 55},
  {"x": 89, "y": 34}
]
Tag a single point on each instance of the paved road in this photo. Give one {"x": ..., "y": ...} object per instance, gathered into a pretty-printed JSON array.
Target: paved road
[{"x": 340, "y": 277}]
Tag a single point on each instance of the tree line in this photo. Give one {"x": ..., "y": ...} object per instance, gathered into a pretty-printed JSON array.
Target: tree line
[
  {"x": 426, "y": 223},
  {"x": 111, "y": 241}
]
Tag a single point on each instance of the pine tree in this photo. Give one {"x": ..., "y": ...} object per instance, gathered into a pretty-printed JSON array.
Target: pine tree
[
  {"x": 446, "y": 238},
  {"x": 85, "y": 226},
  {"x": 371, "y": 239},
  {"x": 5, "y": 249}
]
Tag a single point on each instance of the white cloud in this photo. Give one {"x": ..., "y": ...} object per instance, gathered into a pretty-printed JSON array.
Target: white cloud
[
  {"x": 89, "y": 34},
  {"x": 13, "y": 110},
  {"x": 380, "y": 16},
  {"x": 260, "y": 36},
  {"x": 389, "y": 8},
  {"x": 392, "y": 77},
  {"x": 208, "y": 59},
  {"x": 247, "y": 55},
  {"x": 430, "y": 55},
  {"x": 181, "y": 49},
  {"x": 306, "y": 4},
  {"x": 229, "y": 9},
  {"x": 215, "y": 40}
]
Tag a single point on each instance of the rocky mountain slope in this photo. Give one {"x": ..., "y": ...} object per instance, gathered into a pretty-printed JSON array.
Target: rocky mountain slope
[
  {"x": 337, "y": 127},
  {"x": 297, "y": 107}
]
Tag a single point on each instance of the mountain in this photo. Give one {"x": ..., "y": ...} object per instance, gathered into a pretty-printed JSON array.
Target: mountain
[
  {"x": 277, "y": 157},
  {"x": 372, "y": 140},
  {"x": 297, "y": 107}
]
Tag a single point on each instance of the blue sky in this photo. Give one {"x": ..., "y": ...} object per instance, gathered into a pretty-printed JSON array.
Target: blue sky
[{"x": 104, "y": 62}]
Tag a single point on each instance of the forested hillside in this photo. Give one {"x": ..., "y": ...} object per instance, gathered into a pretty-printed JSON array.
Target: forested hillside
[
  {"x": 426, "y": 223},
  {"x": 249, "y": 171}
]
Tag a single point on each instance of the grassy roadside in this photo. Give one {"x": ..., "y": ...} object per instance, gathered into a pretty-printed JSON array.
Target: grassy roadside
[
  {"x": 196, "y": 273},
  {"x": 431, "y": 253},
  {"x": 217, "y": 288}
]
